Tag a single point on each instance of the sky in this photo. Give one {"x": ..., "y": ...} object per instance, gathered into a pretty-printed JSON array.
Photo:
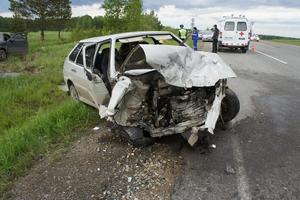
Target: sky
[{"x": 273, "y": 17}]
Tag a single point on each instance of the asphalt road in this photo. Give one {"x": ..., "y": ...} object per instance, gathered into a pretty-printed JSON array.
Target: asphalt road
[{"x": 259, "y": 156}]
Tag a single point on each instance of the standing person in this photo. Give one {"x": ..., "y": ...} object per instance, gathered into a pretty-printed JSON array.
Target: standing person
[
  {"x": 215, "y": 39},
  {"x": 195, "y": 38},
  {"x": 182, "y": 33}
]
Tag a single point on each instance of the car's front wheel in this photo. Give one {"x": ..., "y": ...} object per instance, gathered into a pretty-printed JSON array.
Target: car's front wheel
[
  {"x": 230, "y": 106},
  {"x": 137, "y": 137},
  {"x": 3, "y": 55},
  {"x": 73, "y": 92}
]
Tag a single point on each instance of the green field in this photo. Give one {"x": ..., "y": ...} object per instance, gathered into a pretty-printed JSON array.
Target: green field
[
  {"x": 35, "y": 116},
  {"x": 288, "y": 41}
]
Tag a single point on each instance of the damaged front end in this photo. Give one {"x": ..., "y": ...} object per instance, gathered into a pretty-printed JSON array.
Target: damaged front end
[{"x": 177, "y": 91}]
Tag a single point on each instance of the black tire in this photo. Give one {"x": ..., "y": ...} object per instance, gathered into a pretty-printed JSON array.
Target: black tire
[
  {"x": 244, "y": 49},
  {"x": 230, "y": 106},
  {"x": 73, "y": 92},
  {"x": 137, "y": 137},
  {"x": 220, "y": 48},
  {"x": 3, "y": 55}
]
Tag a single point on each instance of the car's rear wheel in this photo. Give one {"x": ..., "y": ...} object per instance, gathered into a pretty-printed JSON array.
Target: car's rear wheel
[
  {"x": 3, "y": 55},
  {"x": 73, "y": 92},
  {"x": 230, "y": 106}
]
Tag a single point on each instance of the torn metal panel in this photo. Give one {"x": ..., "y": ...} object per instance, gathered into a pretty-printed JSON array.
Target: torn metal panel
[
  {"x": 118, "y": 92},
  {"x": 183, "y": 67},
  {"x": 214, "y": 112}
]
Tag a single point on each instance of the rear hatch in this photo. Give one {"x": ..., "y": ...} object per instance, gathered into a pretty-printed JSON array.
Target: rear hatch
[{"x": 235, "y": 34}]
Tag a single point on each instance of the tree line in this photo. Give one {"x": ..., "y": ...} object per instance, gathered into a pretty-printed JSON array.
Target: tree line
[{"x": 55, "y": 15}]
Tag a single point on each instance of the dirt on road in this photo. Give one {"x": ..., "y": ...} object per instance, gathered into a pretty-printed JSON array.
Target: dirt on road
[{"x": 102, "y": 165}]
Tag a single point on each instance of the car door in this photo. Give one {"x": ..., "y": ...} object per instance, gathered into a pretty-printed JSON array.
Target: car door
[
  {"x": 96, "y": 85},
  {"x": 229, "y": 35},
  {"x": 78, "y": 76},
  {"x": 242, "y": 32},
  {"x": 17, "y": 44}
]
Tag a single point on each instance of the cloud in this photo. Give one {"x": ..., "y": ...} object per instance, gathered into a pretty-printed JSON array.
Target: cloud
[
  {"x": 92, "y": 10},
  {"x": 276, "y": 17},
  {"x": 268, "y": 20},
  {"x": 6, "y": 14}
]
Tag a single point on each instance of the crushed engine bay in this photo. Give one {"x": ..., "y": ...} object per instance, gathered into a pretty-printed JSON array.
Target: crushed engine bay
[{"x": 168, "y": 90}]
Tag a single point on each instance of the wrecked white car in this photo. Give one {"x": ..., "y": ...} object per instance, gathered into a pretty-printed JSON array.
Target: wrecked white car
[{"x": 151, "y": 85}]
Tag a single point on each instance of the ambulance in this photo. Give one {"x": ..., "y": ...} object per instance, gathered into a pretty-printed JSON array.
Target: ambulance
[{"x": 235, "y": 33}]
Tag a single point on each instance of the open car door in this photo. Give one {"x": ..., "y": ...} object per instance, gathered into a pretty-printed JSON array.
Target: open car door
[{"x": 97, "y": 88}]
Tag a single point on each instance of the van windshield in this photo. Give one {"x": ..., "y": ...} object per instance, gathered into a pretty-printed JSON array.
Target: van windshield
[
  {"x": 229, "y": 26},
  {"x": 241, "y": 26}
]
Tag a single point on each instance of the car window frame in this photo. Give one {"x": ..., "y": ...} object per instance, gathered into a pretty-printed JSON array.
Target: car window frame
[
  {"x": 94, "y": 56},
  {"x": 74, "y": 61}
]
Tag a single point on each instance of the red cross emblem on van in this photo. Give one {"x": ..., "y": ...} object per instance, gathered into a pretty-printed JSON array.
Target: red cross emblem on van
[{"x": 241, "y": 33}]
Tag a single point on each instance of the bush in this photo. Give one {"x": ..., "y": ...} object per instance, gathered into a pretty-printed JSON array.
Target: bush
[{"x": 79, "y": 34}]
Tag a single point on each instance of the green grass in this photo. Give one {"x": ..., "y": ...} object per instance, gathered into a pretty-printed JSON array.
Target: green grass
[
  {"x": 35, "y": 116},
  {"x": 288, "y": 41}
]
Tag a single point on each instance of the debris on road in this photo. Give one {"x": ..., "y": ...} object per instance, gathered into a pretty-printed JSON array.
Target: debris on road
[
  {"x": 119, "y": 172},
  {"x": 229, "y": 169}
]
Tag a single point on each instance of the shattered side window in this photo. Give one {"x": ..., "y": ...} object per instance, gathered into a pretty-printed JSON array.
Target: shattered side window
[
  {"x": 75, "y": 52},
  {"x": 89, "y": 56},
  {"x": 136, "y": 60},
  {"x": 79, "y": 60}
]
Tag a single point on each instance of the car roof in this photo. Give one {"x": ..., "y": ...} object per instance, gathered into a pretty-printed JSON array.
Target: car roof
[{"x": 124, "y": 35}]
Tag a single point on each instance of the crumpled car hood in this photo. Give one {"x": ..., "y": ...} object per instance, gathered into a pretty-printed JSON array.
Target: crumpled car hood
[{"x": 183, "y": 67}]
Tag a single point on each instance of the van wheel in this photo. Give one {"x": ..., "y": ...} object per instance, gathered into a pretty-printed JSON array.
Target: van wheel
[
  {"x": 3, "y": 55},
  {"x": 230, "y": 106},
  {"x": 244, "y": 50},
  {"x": 73, "y": 92}
]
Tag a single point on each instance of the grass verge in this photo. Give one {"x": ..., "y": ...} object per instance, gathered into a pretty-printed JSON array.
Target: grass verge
[
  {"x": 35, "y": 116},
  {"x": 20, "y": 146},
  {"x": 295, "y": 42}
]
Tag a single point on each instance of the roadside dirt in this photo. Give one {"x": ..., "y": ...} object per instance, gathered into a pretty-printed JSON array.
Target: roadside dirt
[{"x": 102, "y": 165}]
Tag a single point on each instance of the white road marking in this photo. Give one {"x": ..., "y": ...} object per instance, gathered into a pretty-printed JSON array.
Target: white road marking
[
  {"x": 281, "y": 61},
  {"x": 242, "y": 179}
]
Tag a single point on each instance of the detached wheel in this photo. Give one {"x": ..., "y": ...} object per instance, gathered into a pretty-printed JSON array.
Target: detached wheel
[
  {"x": 73, "y": 92},
  {"x": 137, "y": 137},
  {"x": 230, "y": 106},
  {"x": 3, "y": 55}
]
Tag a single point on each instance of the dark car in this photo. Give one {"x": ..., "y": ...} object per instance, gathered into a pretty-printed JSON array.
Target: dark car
[{"x": 14, "y": 44}]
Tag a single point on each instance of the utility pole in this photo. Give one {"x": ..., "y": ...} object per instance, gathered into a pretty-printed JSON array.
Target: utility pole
[{"x": 193, "y": 23}]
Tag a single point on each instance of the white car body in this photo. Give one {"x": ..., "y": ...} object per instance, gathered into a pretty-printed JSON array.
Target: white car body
[
  {"x": 255, "y": 38},
  {"x": 234, "y": 32},
  {"x": 151, "y": 75}
]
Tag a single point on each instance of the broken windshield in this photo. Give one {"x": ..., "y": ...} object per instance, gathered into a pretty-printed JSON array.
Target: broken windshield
[{"x": 135, "y": 60}]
